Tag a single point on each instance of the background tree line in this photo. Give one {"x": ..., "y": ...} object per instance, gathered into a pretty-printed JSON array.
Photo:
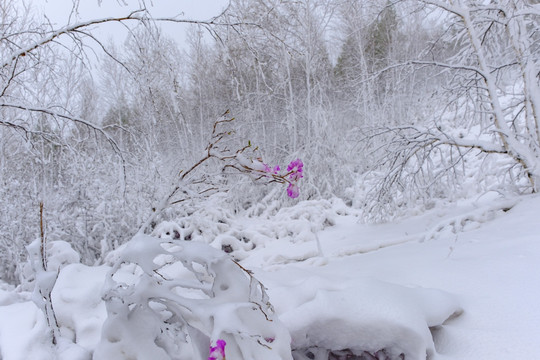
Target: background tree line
[{"x": 390, "y": 104}]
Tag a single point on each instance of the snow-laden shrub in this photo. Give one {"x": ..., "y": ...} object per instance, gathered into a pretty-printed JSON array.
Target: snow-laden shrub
[
  {"x": 201, "y": 222},
  {"x": 58, "y": 254},
  {"x": 172, "y": 299},
  {"x": 240, "y": 234},
  {"x": 169, "y": 230}
]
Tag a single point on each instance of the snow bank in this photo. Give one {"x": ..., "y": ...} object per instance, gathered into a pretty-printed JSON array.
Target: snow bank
[
  {"x": 330, "y": 310},
  {"x": 371, "y": 316}
]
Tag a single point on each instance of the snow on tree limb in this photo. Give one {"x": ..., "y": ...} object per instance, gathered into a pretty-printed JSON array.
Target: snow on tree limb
[
  {"x": 517, "y": 133},
  {"x": 133, "y": 16},
  {"x": 55, "y": 114}
]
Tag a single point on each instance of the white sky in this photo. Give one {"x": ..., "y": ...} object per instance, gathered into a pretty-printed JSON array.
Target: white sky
[{"x": 59, "y": 11}]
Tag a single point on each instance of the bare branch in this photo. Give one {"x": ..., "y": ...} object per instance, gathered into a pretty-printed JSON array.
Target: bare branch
[
  {"x": 111, "y": 141},
  {"x": 134, "y": 16},
  {"x": 431, "y": 63}
]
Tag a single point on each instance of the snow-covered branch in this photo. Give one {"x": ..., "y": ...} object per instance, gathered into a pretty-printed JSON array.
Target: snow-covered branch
[
  {"x": 447, "y": 6},
  {"x": 68, "y": 117},
  {"x": 431, "y": 63},
  {"x": 495, "y": 39},
  {"x": 139, "y": 15},
  {"x": 412, "y": 159}
]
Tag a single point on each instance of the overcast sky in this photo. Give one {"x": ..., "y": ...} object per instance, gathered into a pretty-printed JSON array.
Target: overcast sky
[{"x": 59, "y": 12}]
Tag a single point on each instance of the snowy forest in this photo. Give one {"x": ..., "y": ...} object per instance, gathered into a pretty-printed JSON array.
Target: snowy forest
[{"x": 300, "y": 179}]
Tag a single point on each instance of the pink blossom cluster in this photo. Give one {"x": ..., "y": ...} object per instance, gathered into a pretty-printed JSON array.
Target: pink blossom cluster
[
  {"x": 294, "y": 174},
  {"x": 295, "y": 171},
  {"x": 218, "y": 352}
]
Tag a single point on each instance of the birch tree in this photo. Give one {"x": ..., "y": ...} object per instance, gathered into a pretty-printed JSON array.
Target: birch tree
[{"x": 488, "y": 104}]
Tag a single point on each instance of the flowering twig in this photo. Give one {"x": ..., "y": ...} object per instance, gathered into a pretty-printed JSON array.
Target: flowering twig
[{"x": 236, "y": 160}]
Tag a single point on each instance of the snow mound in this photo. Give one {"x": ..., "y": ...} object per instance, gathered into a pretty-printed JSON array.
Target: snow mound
[
  {"x": 370, "y": 317},
  {"x": 24, "y": 333},
  {"x": 79, "y": 309},
  {"x": 59, "y": 254},
  {"x": 7, "y": 295},
  {"x": 332, "y": 313}
]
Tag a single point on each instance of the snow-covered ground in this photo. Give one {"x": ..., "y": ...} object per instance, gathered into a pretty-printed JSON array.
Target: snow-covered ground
[
  {"x": 459, "y": 282},
  {"x": 486, "y": 256}
]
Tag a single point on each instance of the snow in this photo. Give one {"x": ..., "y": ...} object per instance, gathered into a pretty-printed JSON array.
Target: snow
[
  {"x": 60, "y": 253},
  {"x": 78, "y": 305},
  {"x": 7, "y": 296},
  {"x": 23, "y": 333},
  {"x": 492, "y": 270},
  {"x": 369, "y": 315},
  {"x": 457, "y": 282}
]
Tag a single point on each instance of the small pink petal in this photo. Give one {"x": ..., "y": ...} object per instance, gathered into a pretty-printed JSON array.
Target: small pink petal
[{"x": 293, "y": 191}]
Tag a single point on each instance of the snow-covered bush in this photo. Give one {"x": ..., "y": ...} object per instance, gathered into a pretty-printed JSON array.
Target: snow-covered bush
[
  {"x": 172, "y": 299},
  {"x": 57, "y": 254},
  {"x": 241, "y": 234}
]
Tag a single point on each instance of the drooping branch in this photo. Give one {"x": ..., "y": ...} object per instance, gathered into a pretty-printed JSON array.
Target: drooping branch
[
  {"x": 138, "y": 15},
  {"x": 187, "y": 184},
  {"x": 55, "y": 114},
  {"x": 431, "y": 63},
  {"x": 407, "y": 159}
]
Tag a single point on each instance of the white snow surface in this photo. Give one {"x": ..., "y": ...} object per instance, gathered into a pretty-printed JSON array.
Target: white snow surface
[{"x": 459, "y": 282}]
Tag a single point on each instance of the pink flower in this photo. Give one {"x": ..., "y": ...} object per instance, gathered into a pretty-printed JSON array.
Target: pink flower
[
  {"x": 294, "y": 172},
  {"x": 296, "y": 169},
  {"x": 298, "y": 164},
  {"x": 218, "y": 352},
  {"x": 293, "y": 191}
]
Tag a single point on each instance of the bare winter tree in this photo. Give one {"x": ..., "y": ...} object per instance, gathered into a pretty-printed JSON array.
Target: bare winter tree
[{"x": 488, "y": 104}]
